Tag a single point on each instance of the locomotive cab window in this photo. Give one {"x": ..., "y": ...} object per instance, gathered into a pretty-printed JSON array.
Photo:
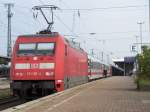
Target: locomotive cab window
[
  {"x": 28, "y": 48},
  {"x": 46, "y": 48},
  {"x": 36, "y": 49}
]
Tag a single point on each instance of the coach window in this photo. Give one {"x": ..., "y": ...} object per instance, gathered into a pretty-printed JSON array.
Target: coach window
[{"x": 88, "y": 62}]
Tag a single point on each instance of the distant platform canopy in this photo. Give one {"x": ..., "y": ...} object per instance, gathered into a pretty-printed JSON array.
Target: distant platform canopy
[
  {"x": 118, "y": 60},
  {"x": 128, "y": 59},
  {"x": 126, "y": 63}
]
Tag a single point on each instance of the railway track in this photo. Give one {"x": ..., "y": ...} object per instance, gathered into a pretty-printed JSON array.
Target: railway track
[{"x": 10, "y": 102}]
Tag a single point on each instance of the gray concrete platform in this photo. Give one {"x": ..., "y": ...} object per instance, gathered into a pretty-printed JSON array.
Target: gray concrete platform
[
  {"x": 114, "y": 94},
  {"x": 4, "y": 83}
]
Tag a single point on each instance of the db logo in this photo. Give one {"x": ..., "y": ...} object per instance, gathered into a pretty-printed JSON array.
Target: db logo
[{"x": 34, "y": 66}]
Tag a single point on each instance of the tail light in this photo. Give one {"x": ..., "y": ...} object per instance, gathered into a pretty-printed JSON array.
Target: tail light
[{"x": 49, "y": 73}]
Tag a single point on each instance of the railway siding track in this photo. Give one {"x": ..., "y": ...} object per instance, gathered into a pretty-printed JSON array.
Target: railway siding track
[
  {"x": 7, "y": 100},
  {"x": 10, "y": 102},
  {"x": 4, "y": 93}
]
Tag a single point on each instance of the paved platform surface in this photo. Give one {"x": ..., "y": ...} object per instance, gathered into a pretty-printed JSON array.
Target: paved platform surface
[
  {"x": 4, "y": 83},
  {"x": 114, "y": 94}
]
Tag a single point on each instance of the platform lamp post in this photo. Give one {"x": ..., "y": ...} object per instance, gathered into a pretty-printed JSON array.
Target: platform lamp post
[
  {"x": 124, "y": 68},
  {"x": 108, "y": 59},
  {"x": 102, "y": 56},
  {"x": 137, "y": 44},
  {"x": 102, "y": 53},
  {"x": 103, "y": 41},
  {"x": 140, "y": 26},
  {"x": 92, "y": 50},
  {"x": 111, "y": 56}
]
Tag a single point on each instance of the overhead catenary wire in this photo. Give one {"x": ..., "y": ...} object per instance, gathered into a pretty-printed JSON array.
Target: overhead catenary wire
[
  {"x": 95, "y": 8},
  {"x": 41, "y": 2},
  {"x": 74, "y": 15},
  {"x": 106, "y": 8},
  {"x": 65, "y": 4},
  {"x": 24, "y": 21},
  {"x": 109, "y": 7},
  {"x": 105, "y": 39},
  {"x": 105, "y": 33},
  {"x": 21, "y": 12},
  {"x": 65, "y": 25}
]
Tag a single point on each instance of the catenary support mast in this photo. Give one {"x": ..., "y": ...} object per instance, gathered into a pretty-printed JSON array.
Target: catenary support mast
[{"x": 9, "y": 15}]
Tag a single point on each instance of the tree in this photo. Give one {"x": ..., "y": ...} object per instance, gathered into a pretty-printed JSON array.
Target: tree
[{"x": 144, "y": 63}]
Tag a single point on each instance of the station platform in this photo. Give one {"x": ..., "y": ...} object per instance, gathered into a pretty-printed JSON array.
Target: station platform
[
  {"x": 4, "y": 83},
  {"x": 113, "y": 94}
]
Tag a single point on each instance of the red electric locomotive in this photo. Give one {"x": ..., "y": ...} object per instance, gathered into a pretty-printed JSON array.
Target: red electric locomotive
[{"x": 44, "y": 63}]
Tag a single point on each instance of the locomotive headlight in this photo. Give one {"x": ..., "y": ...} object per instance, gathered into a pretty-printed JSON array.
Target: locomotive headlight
[
  {"x": 22, "y": 66},
  {"x": 47, "y": 65}
]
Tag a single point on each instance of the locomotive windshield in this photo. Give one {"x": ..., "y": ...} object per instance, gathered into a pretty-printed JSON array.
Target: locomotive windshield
[{"x": 36, "y": 49}]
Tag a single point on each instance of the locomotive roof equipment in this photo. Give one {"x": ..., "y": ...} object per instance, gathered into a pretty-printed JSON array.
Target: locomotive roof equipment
[{"x": 50, "y": 23}]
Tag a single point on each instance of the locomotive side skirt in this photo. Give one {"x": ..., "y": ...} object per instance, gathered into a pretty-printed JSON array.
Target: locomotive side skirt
[{"x": 74, "y": 81}]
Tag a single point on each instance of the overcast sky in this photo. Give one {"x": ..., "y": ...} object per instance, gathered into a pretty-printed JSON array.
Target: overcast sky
[{"x": 114, "y": 28}]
